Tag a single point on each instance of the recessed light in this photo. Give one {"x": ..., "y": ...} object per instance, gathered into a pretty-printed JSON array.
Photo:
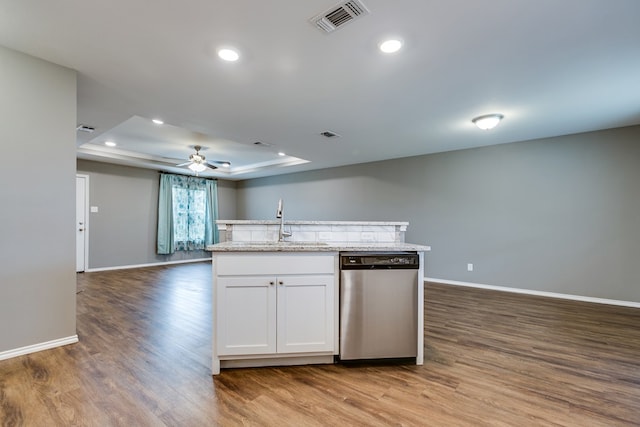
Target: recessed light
[
  {"x": 228, "y": 54},
  {"x": 391, "y": 45},
  {"x": 488, "y": 121},
  {"x": 157, "y": 121},
  {"x": 110, "y": 143},
  {"x": 281, "y": 153}
]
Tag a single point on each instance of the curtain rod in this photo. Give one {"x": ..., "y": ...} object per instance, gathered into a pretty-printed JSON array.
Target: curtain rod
[{"x": 184, "y": 174}]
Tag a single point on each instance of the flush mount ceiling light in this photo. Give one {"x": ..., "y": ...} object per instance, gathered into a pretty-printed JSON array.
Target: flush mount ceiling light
[
  {"x": 110, "y": 143},
  {"x": 228, "y": 54},
  {"x": 390, "y": 46},
  {"x": 488, "y": 121},
  {"x": 157, "y": 121}
]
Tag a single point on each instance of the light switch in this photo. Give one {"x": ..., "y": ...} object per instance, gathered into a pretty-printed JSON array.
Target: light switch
[{"x": 94, "y": 209}]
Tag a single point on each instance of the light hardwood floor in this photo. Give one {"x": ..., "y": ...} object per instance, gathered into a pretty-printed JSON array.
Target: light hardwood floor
[{"x": 491, "y": 359}]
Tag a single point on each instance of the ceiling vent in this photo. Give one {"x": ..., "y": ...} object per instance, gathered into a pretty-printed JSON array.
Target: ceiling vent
[
  {"x": 85, "y": 128},
  {"x": 339, "y": 15},
  {"x": 329, "y": 134},
  {"x": 262, "y": 144}
]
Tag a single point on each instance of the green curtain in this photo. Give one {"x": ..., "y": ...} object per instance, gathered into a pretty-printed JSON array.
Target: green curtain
[
  {"x": 210, "y": 227},
  {"x": 166, "y": 244},
  {"x": 187, "y": 211}
]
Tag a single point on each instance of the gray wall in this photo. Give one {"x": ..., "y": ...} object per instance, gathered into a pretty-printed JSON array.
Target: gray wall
[
  {"x": 123, "y": 231},
  {"x": 37, "y": 193},
  {"x": 559, "y": 214}
]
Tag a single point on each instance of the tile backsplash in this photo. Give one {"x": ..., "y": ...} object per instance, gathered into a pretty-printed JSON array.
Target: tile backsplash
[{"x": 314, "y": 231}]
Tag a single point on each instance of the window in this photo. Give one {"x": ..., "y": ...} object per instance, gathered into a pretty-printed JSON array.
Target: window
[
  {"x": 187, "y": 210},
  {"x": 188, "y": 218}
]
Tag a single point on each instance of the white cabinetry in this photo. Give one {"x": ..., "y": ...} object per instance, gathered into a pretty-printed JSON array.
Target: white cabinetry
[
  {"x": 275, "y": 314},
  {"x": 245, "y": 315},
  {"x": 274, "y": 308}
]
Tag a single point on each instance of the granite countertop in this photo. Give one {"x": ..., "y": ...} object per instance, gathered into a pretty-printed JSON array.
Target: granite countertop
[
  {"x": 314, "y": 247},
  {"x": 297, "y": 222}
]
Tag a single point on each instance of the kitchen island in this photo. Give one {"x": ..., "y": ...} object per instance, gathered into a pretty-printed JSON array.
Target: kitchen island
[{"x": 276, "y": 302}]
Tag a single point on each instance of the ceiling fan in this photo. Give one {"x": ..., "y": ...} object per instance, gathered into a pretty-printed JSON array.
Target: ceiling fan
[{"x": 198, "y": 163}]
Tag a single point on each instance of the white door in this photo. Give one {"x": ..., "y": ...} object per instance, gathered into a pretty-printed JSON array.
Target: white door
[
  {"x": 81, "y": 221},
  {"x": 305, "y": 313},
  {"x": 246, "y": 315}
]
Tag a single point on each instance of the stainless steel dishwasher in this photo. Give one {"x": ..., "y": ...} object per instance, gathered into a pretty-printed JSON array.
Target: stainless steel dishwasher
[{"x": 378, "y": 305}]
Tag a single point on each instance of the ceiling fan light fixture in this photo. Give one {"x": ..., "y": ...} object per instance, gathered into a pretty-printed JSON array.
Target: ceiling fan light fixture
[
  {"x": 197, "y": 167},
  {"x": 487, "y": 121},
  {"x": 226, "y": 164}
]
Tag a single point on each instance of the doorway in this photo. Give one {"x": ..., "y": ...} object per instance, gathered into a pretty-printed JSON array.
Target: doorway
[{"x": 82, "y": 218}]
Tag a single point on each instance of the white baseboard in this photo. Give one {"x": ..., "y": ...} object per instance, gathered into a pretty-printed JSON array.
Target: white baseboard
[
  {"x": 38, "y": 347},
  {"x": 537, "y": 293},
  {"x": 153, "y": 264}
]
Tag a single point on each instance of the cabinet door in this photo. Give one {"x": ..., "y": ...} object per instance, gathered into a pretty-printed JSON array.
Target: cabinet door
[
  {"x": 246, "y": 315},
  {"x": 305, "y": 313}
]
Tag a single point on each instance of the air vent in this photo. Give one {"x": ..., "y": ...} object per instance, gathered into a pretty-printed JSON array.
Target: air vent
[
  {"x": 339, "y": 15},
  {"x": 85, "y": 128},
  {"x": 329, "y": 134}
]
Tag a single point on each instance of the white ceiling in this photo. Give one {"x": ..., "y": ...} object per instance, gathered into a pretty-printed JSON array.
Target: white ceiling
[{"x": 551, "y": 67}]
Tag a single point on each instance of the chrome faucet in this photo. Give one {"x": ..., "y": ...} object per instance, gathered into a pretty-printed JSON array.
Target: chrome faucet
[{"x": 280, "y": 214}]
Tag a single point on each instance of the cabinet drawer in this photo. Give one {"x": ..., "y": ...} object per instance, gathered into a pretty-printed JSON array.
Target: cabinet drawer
[{"x": 269, "y": 263}]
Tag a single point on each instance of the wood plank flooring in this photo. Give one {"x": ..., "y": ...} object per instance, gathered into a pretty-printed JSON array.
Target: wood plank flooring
[{"x": 491, "y": 359}]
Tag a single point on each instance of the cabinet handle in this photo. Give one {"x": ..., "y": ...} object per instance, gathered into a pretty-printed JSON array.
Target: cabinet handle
[
  {"x": 281, "y": 282},
  {"x": 272, "y": 283}
]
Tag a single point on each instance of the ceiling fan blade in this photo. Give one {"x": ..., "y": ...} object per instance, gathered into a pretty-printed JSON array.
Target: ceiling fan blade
[
  {"x": 224, "y": 163},
  {"x": 210, "y": 165},
  {"x": 183, "y": 164}
]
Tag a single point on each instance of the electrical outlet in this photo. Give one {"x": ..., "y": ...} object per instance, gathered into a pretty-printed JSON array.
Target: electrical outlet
[{"x": 469, "y": 267}]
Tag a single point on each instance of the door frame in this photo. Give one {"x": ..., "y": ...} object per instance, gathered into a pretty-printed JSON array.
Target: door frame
[{"x": 86, "y": 219}]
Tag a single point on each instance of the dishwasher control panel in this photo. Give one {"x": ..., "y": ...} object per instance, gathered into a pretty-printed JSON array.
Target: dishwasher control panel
[{"x": 375, "y": 260}]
